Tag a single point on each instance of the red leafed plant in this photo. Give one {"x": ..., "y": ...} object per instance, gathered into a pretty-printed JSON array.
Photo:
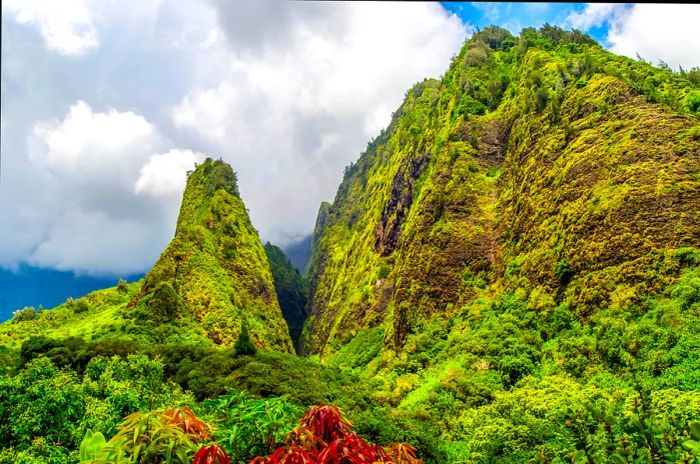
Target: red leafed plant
[
  {"x": 351, "y": 449},
  {"x": 212, "y": 454},
  {"x": 324, "y": 436},
  {"x": 188, "y": 422},
  {"x": 305, "y": 438},
  {"x": 292, "y": 454},
  {"x": 401, "y": 452},
  {"x": 326, "y": 422}
]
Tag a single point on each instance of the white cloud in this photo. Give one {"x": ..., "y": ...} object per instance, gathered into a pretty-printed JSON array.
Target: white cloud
[
  {"x": 105, "y": 194},
  {"x": 667, "y": 32},
  {"x": 100, "y": 145},
  {"x": 65, "y": 25},
  {"x": 656, "y": 32},
  {"x": 164, "y": 175},
  {"x": 207, "y": 111},
  {"x": 595, "y": 15},
  {"x": 289, "y": 117}
]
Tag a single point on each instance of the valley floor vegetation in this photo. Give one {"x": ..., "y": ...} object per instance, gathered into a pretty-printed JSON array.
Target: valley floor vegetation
[{"x": 506, "y": 380}]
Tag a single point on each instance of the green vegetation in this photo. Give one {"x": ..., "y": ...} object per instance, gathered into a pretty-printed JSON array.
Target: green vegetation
[
  {"x": 543, "y": 150},
  {"x": 513, "y": 242},
  {"x": 291, "y": 289},
  {"x": 509, "y": 273},
  {"x": 46, "y": 411},
  {"x": 25, "y": 314},
  {"x": 243, "y": 345},
  {"x": 215, "y": 272}
]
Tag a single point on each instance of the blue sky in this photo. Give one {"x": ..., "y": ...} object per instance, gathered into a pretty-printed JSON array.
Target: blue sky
[
  {"x": 105, "y": 105},
  {"x": 515, "y": 16}
]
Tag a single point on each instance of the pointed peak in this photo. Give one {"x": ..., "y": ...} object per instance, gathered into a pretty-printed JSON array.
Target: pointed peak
[{"x": 214, "y": 175}]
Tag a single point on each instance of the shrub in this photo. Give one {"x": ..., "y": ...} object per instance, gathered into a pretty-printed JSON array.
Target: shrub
[
  {"x": 247, "y": 426},
  {"x": 692, "y": 101},
  {"x": 243, "y": 345},
  {"x": 146, "y": 438},
  {"x": 562, "y": 271},
  {"x": 27, "y": 313},
  {"x": 324, "y": 435},
  {"x": 80, "y": 306},
  {"x": 164, "y": 303}
]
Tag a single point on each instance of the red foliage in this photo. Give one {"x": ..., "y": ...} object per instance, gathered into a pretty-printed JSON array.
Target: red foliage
[
  {"x": 188, "y": 422},
  {"x": 213, "y": 454},
  {"x": 305, "y": 437},
  {"x": 351, "y": 449},
  {"x": 326, "y": 422},
  {"x": 292, "y": 454},
  {"x": 324, "y": 436},
  {"x": 401, "y": 452}
]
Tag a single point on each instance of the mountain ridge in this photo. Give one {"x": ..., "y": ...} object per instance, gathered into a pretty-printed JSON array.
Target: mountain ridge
[{"x": 503, "y": 149}]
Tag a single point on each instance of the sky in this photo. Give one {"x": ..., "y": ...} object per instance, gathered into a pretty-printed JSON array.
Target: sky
[{"x": 107, "y": 103}]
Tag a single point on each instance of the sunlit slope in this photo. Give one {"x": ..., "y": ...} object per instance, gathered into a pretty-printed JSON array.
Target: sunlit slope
[{"x": 541, "y": 164}]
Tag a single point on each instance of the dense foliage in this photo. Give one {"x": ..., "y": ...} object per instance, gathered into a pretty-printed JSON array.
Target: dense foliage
[
  {"x": 46, "y": 411},
  {"x": 292, "y": 290},
  {"x": 537, "y": 162},
  {"x": 215, "y": 272}
]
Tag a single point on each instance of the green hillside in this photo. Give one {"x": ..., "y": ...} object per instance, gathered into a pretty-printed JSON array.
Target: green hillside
[
  {"x": 518, "y": 252},
  {"x": 543, "y": 165},
  {"x": 215, "y": 270},
  {"x": 212, "y": 278}
]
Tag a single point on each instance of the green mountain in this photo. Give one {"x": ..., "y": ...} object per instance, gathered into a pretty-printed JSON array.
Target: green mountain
[
  {"x": 513, "y": 263},
  {"x": 291, "y": 289},
  {"x": 215, "y": 270},
  {"x": 213, "y": 277},
  {"x": 543, "y": 166}
]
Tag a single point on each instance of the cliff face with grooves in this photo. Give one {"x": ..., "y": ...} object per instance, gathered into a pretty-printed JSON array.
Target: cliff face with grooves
[
  {"x": 215, "y": 271},
  {"x": 541, "y": 165}
]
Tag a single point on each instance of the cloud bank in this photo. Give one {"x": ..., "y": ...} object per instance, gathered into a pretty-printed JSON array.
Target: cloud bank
[
  {"x": 288, "y": 92},
  {"x": 65, "y": 26},
  {"x": 102, "y": 191},
  {"x": 657, "y": 32},
  {"x": 107, "y": 104}
]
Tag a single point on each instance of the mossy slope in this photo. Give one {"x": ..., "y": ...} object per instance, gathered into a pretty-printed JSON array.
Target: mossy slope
[
  {"x": 215, "y": 270},
  {"x": 541, "y": 163}
]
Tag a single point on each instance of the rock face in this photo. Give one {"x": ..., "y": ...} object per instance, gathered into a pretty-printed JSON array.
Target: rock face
[
  {"x": 537, "y": 164},
  {"x": 215, "y": 271}
]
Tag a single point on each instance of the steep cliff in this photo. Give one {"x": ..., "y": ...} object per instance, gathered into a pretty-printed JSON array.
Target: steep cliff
[{"x": 542, "y": 165}]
